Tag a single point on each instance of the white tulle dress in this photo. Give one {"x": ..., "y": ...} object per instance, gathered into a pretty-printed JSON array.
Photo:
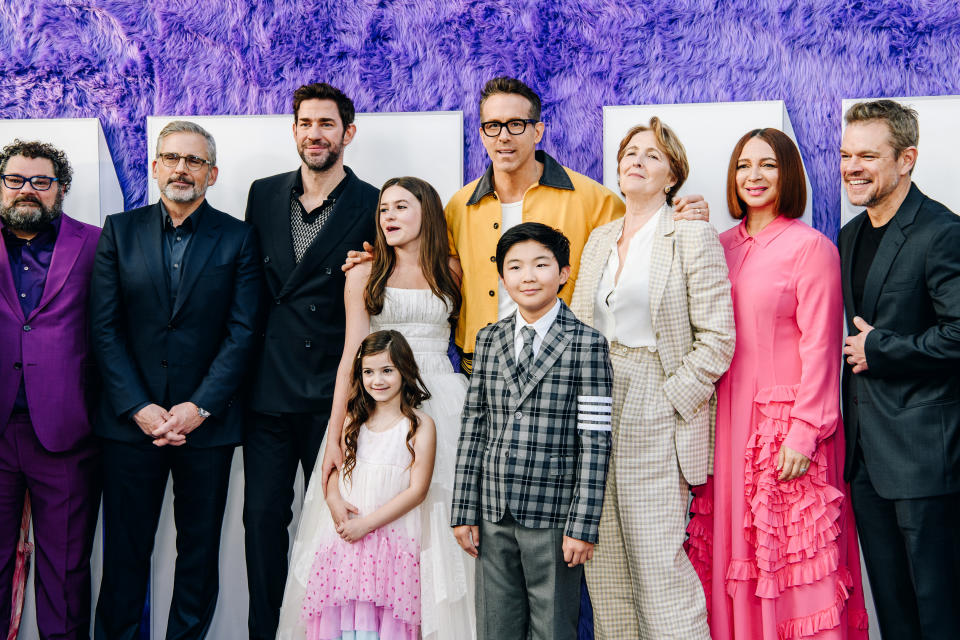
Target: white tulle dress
[{"x": 446, "y": 572}]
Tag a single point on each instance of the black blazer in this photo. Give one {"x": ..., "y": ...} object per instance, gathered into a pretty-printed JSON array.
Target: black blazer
[
  {"x": 196, "y": 349},
  {"x": 906, "y": 406},
  {"x": 303, "y": 308}
]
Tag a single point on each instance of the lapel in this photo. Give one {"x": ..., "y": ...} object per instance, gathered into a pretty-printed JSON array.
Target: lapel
[
  {"x": 554, "y": 343},
  {"x": 893, "y": 239},
  {"x": 590, "y": 271},
  {"x": 275, "y": 234},
  {"x": 7, "y": 292},
  {"x": 856, "y": 225},
  {"x": 149, "y": 237},
  {"x": 505, "y": 348},
  {"x": 344, "y": 217},
  {"x": 66, "y": 250},
  {"x": 205, "y": 238},
  {"x": 661, "y": 260}
]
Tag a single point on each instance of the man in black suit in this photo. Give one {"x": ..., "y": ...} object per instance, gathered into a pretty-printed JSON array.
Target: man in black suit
[
  {"x": 901, "y": 392},
  {"x": 307, "y": 220},
  {"x": 173, "y": 302}
]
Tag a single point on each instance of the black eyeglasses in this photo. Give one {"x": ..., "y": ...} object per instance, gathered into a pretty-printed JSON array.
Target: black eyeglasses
[
  {"x": 171, "y": 160},
  {"x": 16, "y": 181},
  {"x": 514, "y": 127}
]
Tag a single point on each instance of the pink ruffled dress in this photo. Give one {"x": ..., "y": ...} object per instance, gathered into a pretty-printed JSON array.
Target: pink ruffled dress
[
  {"x": 779, "y": 560},
  {"x": 370, "y": 589}
]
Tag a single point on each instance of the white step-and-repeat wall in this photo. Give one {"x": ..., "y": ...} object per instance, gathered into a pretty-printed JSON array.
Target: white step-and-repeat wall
[{"x": 429, "y": 146}]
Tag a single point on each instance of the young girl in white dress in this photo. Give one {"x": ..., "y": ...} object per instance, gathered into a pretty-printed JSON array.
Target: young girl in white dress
[
  {"x": 364, "y": 581},
  {"x": 411, "y": 286}
]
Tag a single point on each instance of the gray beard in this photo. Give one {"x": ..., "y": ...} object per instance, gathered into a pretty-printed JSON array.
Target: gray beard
[{"x": 20, "y": 218}]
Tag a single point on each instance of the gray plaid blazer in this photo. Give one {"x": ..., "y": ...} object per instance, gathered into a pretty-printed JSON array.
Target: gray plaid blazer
[
  {"x": 538, "y": 448},
  {"x": 692, "y": 314}
]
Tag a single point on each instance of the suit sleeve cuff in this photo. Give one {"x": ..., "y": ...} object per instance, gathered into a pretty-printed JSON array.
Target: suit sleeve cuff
[{"x": 136, "y": 410}]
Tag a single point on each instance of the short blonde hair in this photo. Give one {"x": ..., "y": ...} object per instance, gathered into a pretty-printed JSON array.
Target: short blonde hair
[{"x": 670, "y": 144}]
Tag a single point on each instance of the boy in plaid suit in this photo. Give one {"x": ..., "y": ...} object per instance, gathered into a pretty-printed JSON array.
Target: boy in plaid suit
[{"x": 533, "y": 451}]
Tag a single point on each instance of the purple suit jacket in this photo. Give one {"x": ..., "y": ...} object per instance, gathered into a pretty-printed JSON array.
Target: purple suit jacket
[{"x": 50, "y": 347}]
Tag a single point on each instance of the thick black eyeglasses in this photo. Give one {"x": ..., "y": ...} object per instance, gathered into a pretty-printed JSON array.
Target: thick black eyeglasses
[
  {"x": 514, "y": 127},
  {"x": 16, "y": 181},
  {"x": 171, "y": 160}
]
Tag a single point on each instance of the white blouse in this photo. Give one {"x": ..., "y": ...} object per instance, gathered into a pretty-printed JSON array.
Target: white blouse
[{"x": 622, "y": 309}]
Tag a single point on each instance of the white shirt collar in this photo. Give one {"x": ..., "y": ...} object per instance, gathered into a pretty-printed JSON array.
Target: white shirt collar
[{"x": 541, "y": 327}]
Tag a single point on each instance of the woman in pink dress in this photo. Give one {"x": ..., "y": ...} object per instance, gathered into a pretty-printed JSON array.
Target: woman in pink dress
[{"x": 773, "y": 536}]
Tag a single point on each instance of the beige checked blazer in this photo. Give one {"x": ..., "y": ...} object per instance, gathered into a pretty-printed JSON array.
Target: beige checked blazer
[{"x": 692, "y": 316}]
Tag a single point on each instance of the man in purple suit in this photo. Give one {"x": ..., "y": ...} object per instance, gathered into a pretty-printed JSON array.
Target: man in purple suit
[{"x": 45, "y": 374}]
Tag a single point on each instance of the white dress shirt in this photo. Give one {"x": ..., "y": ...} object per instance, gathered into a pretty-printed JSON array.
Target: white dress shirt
[{"x": 622, "y": 308}]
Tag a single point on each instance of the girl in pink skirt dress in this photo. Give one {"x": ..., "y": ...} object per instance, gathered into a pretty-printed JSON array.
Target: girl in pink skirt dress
[
  {"x": 773, "y": 536},
  {"x": 365, "y": 580}
]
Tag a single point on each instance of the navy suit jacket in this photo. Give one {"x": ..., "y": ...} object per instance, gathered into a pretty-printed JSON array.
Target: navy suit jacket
[
  {"x": 199, "y": 347},
  {"x": 906, "y": 407}
]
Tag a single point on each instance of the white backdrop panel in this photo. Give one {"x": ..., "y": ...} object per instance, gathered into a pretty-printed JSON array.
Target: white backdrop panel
[
  {"x": 936, "y": 169},
  {"x": 95, "y": 192},
  {"x": 709, "y": 132},
  {"x": 427, "y": 145}
]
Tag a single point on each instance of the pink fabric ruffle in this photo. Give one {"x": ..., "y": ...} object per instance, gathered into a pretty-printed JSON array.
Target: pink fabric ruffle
[
  {"x": 699, "y": 543},
  {"x": 370, "y": 585},
  {"x": 828, "y": 618},
  {"x": 793, "y": 526}
]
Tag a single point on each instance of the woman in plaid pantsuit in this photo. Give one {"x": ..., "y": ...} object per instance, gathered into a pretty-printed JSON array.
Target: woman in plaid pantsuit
[{"x": 658, "y": 290}]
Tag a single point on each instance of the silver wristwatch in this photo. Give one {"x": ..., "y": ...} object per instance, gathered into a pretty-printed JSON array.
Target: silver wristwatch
[{"x": 203, "y": 413}]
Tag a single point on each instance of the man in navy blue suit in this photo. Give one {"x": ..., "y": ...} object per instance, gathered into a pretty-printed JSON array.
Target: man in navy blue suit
[{"x": 173, "y": 305}]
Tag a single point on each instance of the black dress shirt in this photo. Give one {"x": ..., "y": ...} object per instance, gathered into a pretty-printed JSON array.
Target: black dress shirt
[
  {"x": 176, "y": 241},
  {"x": 863, "y": 254}
]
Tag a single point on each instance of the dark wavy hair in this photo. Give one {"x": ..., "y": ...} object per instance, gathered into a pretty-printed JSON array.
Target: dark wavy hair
[
  {"x": 324, "y": 91},
  {"x": 361, "y": 405},
  {"x": 434, "y": 250},
  {"x": 36, "y": 149}
]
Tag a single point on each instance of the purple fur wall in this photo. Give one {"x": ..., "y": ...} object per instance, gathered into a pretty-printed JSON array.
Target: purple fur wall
[{"x": 122, "y": 60}]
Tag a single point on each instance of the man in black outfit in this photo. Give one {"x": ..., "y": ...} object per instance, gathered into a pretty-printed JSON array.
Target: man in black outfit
[
  {"x": 173, "y": 302},
  {"x": 307, "y": 220},
  {"x": 901, "y": 387}
]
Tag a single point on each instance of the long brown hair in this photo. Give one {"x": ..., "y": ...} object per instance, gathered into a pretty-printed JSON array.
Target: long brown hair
[
  {"x": 434, "y": 249},
  {"x": 361, "y": 406}
]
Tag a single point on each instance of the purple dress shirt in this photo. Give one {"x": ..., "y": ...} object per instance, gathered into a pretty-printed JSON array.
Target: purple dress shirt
[{"x": 29, "y": 262}]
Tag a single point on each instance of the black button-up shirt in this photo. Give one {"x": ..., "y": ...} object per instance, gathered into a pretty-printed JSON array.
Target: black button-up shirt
[{"x": 176, "y": 241}]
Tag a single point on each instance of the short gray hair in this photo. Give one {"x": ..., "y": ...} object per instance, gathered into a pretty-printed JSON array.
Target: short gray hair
[{"x": 185, "y": 126}]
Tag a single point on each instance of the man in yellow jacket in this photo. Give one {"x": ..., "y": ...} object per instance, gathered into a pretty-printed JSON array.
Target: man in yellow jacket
[{"x": 521, "y": 184}]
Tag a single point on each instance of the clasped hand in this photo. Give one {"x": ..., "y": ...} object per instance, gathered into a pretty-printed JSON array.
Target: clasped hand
[
  {"x": 349, "y": 528},
  {"x": 168, "y": 427}
]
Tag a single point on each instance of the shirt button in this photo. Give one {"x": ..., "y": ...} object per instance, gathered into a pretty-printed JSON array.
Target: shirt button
[
  {"x": 176, "y": 266},
  {"x": 17, "y": 366},
  {"x": 518, "y": 415},
  {"x": 27, "y": 327},
  {"x": 25, "y": 268},
  {"x": 163, "y": 363},
  {"x": 266, "y": 259},
  {"x": 23, "y": 295},
  {"x": 313, "y": 307},
  {"x": 328, "y": 270},
  {"x": 493, "y": 258},
  {"x": 492, "y": 293},
  {"x": 178, "y": 238},
  {"x": 306, "y": 344},
  {"x": 496, "y": 225}
]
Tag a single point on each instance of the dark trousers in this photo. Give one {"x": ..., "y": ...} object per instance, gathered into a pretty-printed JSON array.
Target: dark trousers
[
  {"x": 64, "y": 493},
  {"x": 912, "y": 551},
  {"x": 525, "y": 591},
  {"x": 274, "y": 447},
  {"x": 135, "y": 477}
]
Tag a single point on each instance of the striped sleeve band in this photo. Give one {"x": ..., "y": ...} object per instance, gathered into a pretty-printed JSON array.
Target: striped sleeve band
[{"x": 594, "y": 413}]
